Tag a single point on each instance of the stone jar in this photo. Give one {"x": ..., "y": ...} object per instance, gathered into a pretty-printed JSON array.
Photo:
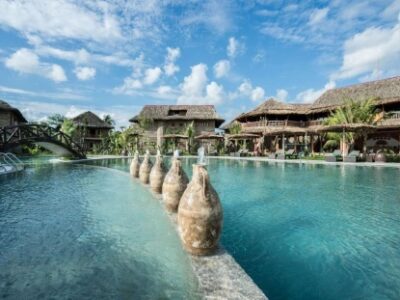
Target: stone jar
[
  {"x": 135, "y": 165},
  {"x": 145, "y": 168},
  {"x": 157, "y": 175},
  {"x": 200, "y": 214},
  {"x": 175, "y": 184}
]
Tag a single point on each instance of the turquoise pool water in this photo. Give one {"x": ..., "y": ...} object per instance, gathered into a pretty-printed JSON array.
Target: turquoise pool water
[
  {"x": 310, "y": 231},
  {"x": 82, "y": 232}
]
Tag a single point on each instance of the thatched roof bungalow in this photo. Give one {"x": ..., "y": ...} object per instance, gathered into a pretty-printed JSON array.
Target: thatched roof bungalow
[
  {"x": 10, "y": 115},
  {"x": 299, "y": 119},
  {"x": 92, "y": 129}
]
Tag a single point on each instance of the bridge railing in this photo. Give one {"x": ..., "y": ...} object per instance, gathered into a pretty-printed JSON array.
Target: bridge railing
[{"x": 17, "y": 133}]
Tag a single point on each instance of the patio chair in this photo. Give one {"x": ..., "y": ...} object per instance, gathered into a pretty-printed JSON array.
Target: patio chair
[
  {"x": 334, "y": 156},
  {"x": 290, "y": 154},
  {"x": 352, "y": 157}
]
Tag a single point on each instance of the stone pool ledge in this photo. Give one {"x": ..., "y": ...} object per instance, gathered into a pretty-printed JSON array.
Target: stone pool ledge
[
  {"x": 265, "y": 159},
  {"x": 219, "y": 276}
]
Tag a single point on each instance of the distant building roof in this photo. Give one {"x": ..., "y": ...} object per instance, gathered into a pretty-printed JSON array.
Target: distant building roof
[
  {"x": 89, "y": 119},
  {"x": 179, "y": 112},
  {"x": 4, "y": 106},
  {"x": 382, "y": 91},
  {"x": 272, "y": 106}
]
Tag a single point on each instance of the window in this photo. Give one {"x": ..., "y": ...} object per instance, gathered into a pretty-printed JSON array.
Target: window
[{"x": 177, "y": 112}]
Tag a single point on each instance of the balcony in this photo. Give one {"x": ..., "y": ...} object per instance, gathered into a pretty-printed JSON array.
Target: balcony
[{"x": 281, "y": 123}]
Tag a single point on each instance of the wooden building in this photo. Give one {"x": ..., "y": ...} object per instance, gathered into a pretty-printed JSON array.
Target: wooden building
[
  {"x": 91, "y": 129},
  {"x": 274, "y": 120},
  {"x": 168, "y": 121},
  {"x": 10, "y": 115}
]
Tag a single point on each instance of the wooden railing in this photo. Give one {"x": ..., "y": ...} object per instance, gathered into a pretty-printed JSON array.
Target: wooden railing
[
  {"x": 281, "y": 123},
  {"x": 17, "y": 134}
]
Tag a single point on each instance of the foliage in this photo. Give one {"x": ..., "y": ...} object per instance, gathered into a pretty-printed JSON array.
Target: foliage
[
  {"x": 145, "y": 122},
  {"x": 235, "y": 128},
  {"x": 68, "y": 127},
  {"x": 190, "y": 132},
  {"x": 353, "y": 112},
  {"x": 55, "y": 121},
  {"x": 109, "y": 120}
]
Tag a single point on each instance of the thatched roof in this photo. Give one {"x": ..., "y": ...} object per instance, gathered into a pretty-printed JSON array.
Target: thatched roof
[
  {"x": 209, "y": 136},
  {"x": 243, "y": 136},
  {"x": 274, "y": 107},
  {"x": 382, "y": 91},
  {"x": 175, "y": 136},
  {"x": 89, "y": 119},
  {"x": 179, "y": 112},
  {"x": 4, "y": 106}
]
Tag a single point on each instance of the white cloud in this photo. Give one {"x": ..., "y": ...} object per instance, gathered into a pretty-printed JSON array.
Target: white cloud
[
  {"x": 170, "y": 68},
  {"x": 234, "y": 47},
  {"x": 152, "y": 75},
  {"x": 215, "y": 15},
  {"x": 222, "y": 68},
  {"x": 317, "y": 16},
  {"x": 375, "y": 48},
  {"x": 257, "y": 94},
  {"x": 246, "y": 90},
  {"x": 281, "y": 33},
  {"x": 27, "y": 62},
  {"x": 60, "y": 19},
  {"x": 311, "y": 95},
  {"x": 85, "y": 73},
  {"x": 193, "y": 85},
  {"x": 196, "y": 90},
  {"x": 214, "y": 93},
  {"x": 282, "y": 94},
  {"x": 63, "y": 94}
]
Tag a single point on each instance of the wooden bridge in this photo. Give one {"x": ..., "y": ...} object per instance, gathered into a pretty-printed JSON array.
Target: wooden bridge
[{"x": 42, "y": 135}]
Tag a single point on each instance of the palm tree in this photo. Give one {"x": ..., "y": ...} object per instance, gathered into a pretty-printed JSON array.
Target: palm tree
[
  {"x": 109, "y": 120},
  {"x": 353, "y": 112},
  {"x": 190, "y": 131}
]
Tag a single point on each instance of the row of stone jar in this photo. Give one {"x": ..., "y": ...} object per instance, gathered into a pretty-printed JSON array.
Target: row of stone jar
[{"x": 199, "y": 211}]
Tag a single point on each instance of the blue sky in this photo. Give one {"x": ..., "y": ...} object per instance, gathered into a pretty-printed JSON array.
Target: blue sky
[{"x": 114, "y": 56}]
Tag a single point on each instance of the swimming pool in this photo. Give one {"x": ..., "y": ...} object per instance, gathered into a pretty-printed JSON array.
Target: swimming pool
[
  {"x": 310, "y": 231},
  {"x": 82, "y": 232}
]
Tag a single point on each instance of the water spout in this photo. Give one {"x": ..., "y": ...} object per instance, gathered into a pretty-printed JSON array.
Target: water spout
[
  {"x": 147, "y": 152},
  {"x": 176, "y": 154},
  {"x": 201, "y": 157},
  {"x": 158, "y": 152}
]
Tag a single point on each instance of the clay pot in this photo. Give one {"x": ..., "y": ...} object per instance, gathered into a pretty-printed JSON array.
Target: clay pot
[
  {"x": 135, "y": 165},
  {"x": 175, "y": 184},
  {"x": 157, "y": 175},
  {"x": 145, "y": 168},
  {"x": 200, "y": 214}
]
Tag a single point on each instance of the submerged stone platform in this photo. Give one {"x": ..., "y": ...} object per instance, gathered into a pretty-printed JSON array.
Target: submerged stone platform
[{"x": 219, "y": 275}]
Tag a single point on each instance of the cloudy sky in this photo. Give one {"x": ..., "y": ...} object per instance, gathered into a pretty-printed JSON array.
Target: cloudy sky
[{"x": 113, "y": 56}]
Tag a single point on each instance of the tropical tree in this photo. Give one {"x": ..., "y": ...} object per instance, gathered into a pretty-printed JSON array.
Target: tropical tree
[
  {"x": 235, "y": 128},
  {"x": 353, "y": 112},
  {"x": 55, "y": 121},
  {"x": 190, "y": 132},
  {"x": 68, "y": 127},
  {"x": 109, "y": 120}
]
